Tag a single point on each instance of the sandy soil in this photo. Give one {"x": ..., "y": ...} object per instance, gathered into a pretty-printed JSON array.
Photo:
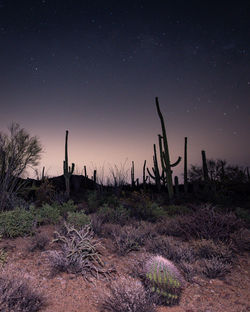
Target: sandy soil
[{"x": 70, "y": 293}]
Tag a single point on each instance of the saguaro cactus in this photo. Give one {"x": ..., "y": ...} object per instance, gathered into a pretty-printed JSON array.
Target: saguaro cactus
[
  {"x": 156, "y": 173},
  {"x": 144, "y": 177},
  {"x": 133, "y": 175},
  {"x": 67, "y": 170},
  {"x": 185, "y": 167},
  {"x": 204, "y": 166},
  {"x": 165, "y": 159}
]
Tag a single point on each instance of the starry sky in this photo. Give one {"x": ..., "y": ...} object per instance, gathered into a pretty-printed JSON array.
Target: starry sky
[{"x": 95, "y": 67}]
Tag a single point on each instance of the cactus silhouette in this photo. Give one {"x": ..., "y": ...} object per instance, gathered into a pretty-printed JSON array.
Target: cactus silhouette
[
  {"x": 164, "y": 153},
  {"x": 67, "y": 170},
  {"x": 185, "y": 168}
]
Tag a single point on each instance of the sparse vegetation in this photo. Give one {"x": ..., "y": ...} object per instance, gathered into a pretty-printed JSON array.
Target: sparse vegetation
[
  {"x": 16, "y": 295},
  {"x": 38, "y": 242},
  {"x": 177, "y": 240},
  {"x": 215, "y": 268},
  {"x": 127, "y": 295},
  {"x": 80, "y": 253}
]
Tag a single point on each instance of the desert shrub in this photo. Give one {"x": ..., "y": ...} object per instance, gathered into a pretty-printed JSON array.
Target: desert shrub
[
  {"x": 47, "y": 214},
  {"x": 170, "y": 226},
  {"x": 127, "y": 295},
  {"x": 173, "y": 210},
  {"x": 15, "y": 295},
  {"x": 208, "y": 249},
  {"x": 116, "y": 214},
  {"x": 80, "y": 253},
  {"x": 149, "y": 211},
  {"x": 109, "y": 230},
  {"x": 39, "y": 241},
  {"x": 128, "y": 238},
  {"x": 18, "y": 222},
  {"x": 66, "y": 207},
  {"x": 3, "y": 257},
  {"x": 45, "y": 193},
  {"x": 206, "y": 222},
  {"x": 170, "y": 248},
  {"x": 241, "y": 240},
  {"x": 188, "y": 270},
  {"x": 215, "y": 268},
  {"x": 94, "y": 201},
  {"x": 142, "y": 207},
  {"x": 243, "y": 214},
  {"x": 164, "y": 279},
  {"x": 78, "y": 219},
  {"x": 96, "y": 223},
  {"x": 112, "y": 200}
]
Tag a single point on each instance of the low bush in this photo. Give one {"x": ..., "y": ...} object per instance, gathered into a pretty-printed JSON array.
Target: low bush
[
  {"x": 215, "y": 268},
  {"x": 80, "y": 253},
  {"x": 206, "y": 222},
  {"x": 97, "y": 224},
  {"x": 170, "y": 226},
  {"x": 170, "y": 248},
  {"x": 109, "y": 229},
  {"x": 127, "y": 295},
  {"x": 18, "y": 222},
  {"x": 15, "y": 295},
  {"x": 244, "y": 214},
  {"x": 143, "y": 208},
  {"x": 94, "y": 201},
  {"x": 47, "y": 214},
  {"x": 3, "y": 257},
  {"x": 117, "y": 214},
  {"x": 176, "y": 210},
  {"x": 150, "y": 212},
  {"x": 66, "y": 207},
  {"x": 241, "y": 240},
  {"x": 78, "y": 219},
  {"x": 128, "y": 238},
  {"x": 39, "y": 241},
  {"x": 188, "y": 270},
  {"x": 45, "y": 193},
  {"x": 208, "y": 249}
]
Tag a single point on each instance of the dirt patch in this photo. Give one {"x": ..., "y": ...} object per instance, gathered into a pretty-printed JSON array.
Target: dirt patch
[{"x": 71, "y": 293}]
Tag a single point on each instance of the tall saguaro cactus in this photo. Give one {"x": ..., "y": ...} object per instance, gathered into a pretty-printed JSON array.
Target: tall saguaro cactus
[
  {"x": 204, "y": 166},
  {"x": 156, "y": 173},
  {"x": 185, "y": 167},
  {"x": 165, "y": 159},
  {"x": 133, "y": 175},
  {"x": 144, "y": 177},
  {"x": 67, "y": 170}
]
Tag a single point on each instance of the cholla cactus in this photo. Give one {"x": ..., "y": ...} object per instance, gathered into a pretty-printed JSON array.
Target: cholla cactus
[{"x": 164, "y": 279}]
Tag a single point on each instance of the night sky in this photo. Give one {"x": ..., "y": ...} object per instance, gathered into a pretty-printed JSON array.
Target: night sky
[{"x": 95, "y": 68}]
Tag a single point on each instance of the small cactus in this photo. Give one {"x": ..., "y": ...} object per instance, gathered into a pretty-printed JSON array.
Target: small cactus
[{"x": 164, "y": 279}]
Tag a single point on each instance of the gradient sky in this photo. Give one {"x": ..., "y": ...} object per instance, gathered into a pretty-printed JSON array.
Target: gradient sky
[{"x": 95, "y": 68}]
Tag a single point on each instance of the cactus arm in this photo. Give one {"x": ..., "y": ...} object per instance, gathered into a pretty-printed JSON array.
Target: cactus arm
[{"x": 176, "y": 163}]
